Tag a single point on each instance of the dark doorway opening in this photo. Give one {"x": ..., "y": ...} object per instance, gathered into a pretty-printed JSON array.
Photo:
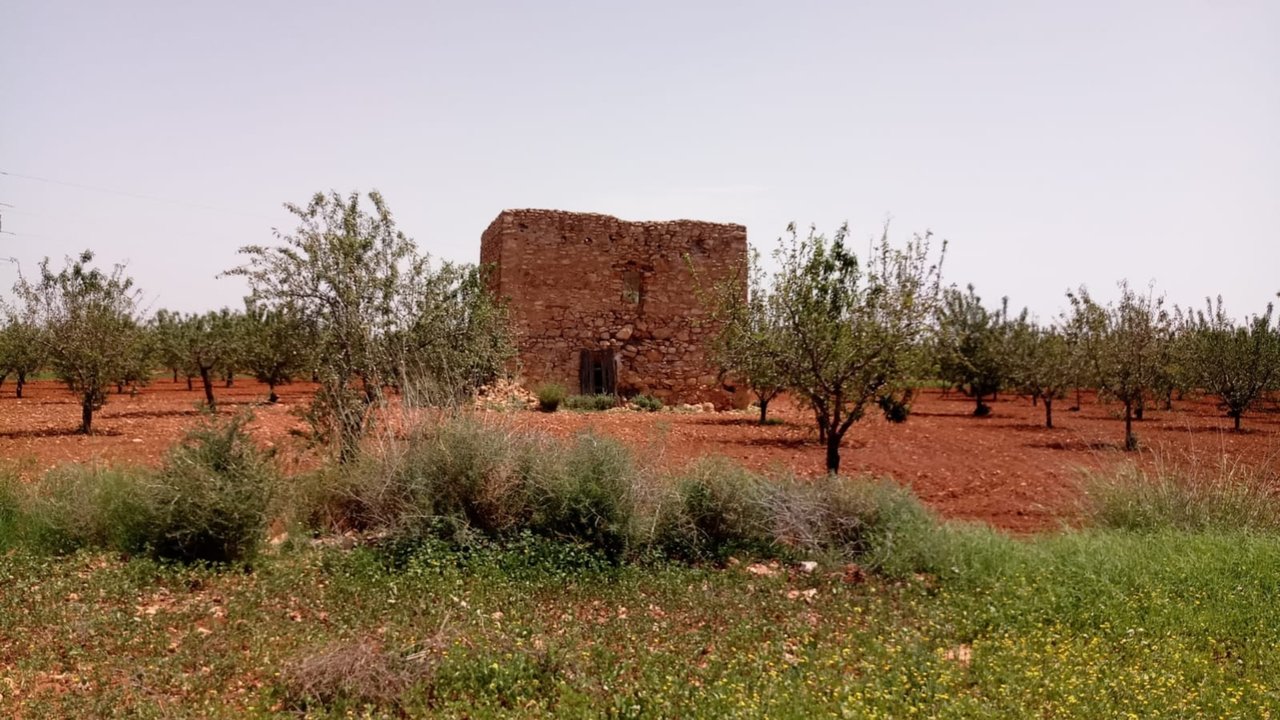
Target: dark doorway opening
[{"x": 598, "y": 372}]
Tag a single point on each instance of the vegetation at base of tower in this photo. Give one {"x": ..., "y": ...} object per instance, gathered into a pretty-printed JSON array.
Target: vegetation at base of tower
[
  {"x": 1235, "y": 363},
  {"x": 550, "y": 395},
  {"x": 850, "y": 329},
  {"x": 381, "y": 315},
  {"x": 647, "y": 403},
  {"x": 91, "y": 330},
  {"x": 590, "y": 403}
]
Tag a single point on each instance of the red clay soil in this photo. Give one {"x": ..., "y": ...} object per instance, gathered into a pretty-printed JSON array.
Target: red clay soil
[{"x": 1006, "y": 469}]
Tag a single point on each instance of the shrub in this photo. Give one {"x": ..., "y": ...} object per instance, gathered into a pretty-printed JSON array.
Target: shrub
[
  {"x": 591, "y": 403},
  {"x": 877, "y": 522},
  {"x": 648, "y": 403},
  {"x": 550, "y": 395},
  {"x": 209, "y": 502},
  {"x": 719, "y": 508},
  {"x": 465, "y": 472},
  {"x": 588, "y": 497},
  {"x": 1232, "y": 497}
]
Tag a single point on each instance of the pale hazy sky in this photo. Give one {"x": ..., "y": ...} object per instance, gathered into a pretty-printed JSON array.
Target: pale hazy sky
[{"x": 1053, "y": 143}]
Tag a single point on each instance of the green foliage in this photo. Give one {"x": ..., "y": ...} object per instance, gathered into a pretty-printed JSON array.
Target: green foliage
[
  {"x": 210, "y": 500},
  {"x": 647, "y": 403},
  {"x": 90, "y": 327},
  {"x": 22, "y": 348},
  {"x": 461, "y": 480},
  {"x": 1123, "y": 347},
  {"x": 973, "y": 345},
  {"x": 590, "y": 403},
  {"x": 851, "y": 331},
  {"x": 208, "y": 343},
  {"x": 276, "y": 346},
  {"x": 1075, "y": 624},
  {"x": 589, "y": 497},
  {"x": 77, "y": 506},
  {"x": 1042, "y": 363},
  {"x": 1236, "y": 364},
  {"x": 382, "y": 316},
  {"x": 550, "y": 395},
  {"x": 748, "y": 342}
]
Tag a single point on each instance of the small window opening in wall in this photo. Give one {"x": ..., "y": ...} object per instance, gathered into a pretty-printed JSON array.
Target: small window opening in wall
[{"x": 632, "y": 282}]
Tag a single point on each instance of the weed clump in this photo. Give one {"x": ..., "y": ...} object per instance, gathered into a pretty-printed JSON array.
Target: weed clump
[
  {"x": 591, "y": 403},
  {"x": 647, "y": 403},
  {"x": 550, "y": 395}
]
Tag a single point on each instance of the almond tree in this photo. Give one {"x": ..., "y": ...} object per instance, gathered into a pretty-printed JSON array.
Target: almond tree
[
  {"x": 1236, "y": 363},
  {"x": 206, "y": 341},
  {"x": 1123, "y": 346},
  {"x": 1040, "y": 363},
  {"x": 364, "y": 292},
  {"x": 275, "y": 346},
  {"x": 971, "y": 344},
  {"x": 91, "y": 325},
  {"x": 747, "y": 345},
  {"x": 22, "y": 349},
  {"x": 849, "y": 329}
]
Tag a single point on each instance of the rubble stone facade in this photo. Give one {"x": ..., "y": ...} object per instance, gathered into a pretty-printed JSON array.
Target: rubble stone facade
[{"x": 605, "y": 305}]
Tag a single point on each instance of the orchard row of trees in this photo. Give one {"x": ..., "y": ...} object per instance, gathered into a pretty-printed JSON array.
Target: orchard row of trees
[
  {"x": 846, "y": 334},
  {"x": 345, "y": 299}
]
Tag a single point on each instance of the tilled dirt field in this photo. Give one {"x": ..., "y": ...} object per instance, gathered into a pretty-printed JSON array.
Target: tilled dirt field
[{"x": 1006, "y": 469}]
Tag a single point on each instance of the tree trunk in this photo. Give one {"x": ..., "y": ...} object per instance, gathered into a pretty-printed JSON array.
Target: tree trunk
[
  {"x": 86, "y": 416},
  {"x": 1130, "y": 442},
  {"x": 833, "y": 452},
  {"x": 189, "y": 385},
  {"x": 1236, "y": 417},
  {"x": 1035, "y": 397},
  {"x": 207, "y": 379},
  {"x": 175, "y": 376},
  {"x": 1048, "y": 411},
  {"x": 231, "y": 378},
  {"x": 764, "y": 411},
  {"x": 22, "y": 382},
  {"x": 119, "y": 388},
  {"x": 271, "y": 394}
]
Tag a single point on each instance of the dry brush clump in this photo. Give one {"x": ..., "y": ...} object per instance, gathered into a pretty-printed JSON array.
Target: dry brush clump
[
  {"x": 355, "y": 675},
  {"x": 1229, "y": 495}
]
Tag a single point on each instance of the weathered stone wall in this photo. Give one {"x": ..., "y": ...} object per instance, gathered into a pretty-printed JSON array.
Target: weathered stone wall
[{"x": 579, "y": 281}]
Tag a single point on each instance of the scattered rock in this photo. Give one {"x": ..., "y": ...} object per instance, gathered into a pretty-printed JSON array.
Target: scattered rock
[{"x": 808, "y": 566}]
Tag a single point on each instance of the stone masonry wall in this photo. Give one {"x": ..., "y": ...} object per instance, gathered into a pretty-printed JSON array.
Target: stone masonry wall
[{"x": 579, "y": 281}]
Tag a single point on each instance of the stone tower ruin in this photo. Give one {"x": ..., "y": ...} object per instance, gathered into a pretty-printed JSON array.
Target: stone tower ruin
[{"x": 603, "y": 305}]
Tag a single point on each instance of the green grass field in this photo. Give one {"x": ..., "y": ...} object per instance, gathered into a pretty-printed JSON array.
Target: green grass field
[{"x": 1097, "y": 624}]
